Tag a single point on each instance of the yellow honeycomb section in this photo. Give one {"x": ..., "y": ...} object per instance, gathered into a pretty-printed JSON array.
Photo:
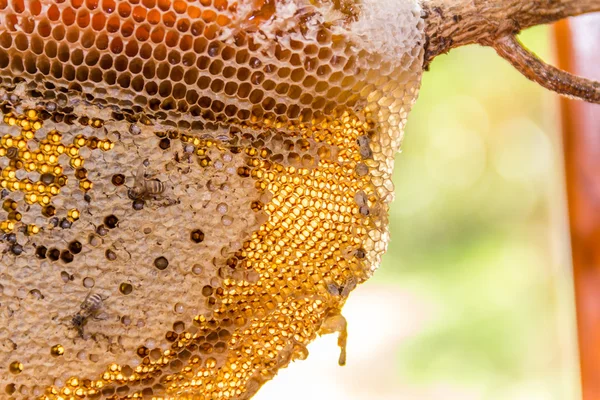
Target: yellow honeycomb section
[
  {"x": 42, "y": 158},
  {"x": 190, "y": 190}
]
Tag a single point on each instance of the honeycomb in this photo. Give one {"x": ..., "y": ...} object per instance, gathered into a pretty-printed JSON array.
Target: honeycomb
[{"x": 190, "y": 190}]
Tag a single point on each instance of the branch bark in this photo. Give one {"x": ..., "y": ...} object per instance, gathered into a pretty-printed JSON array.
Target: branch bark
[
  {"x": 455, "y": 23},
  {"x": 546, "y": 75},
  {"x": 495, "y": 23}
]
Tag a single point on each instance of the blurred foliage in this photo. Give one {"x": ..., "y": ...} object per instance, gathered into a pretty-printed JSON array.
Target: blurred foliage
[{"x": 478, "y": 195}]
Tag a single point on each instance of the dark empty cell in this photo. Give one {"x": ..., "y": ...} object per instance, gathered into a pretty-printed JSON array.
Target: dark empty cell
[
  {"x": 203, "y": 62},
  {"x": 124, "y": 80},
  {"x": 113, "y": 24},
  {"x": 191, "y": 96},
  {"x": 65, "y": 223},
  {"x": 66, "y": 256},
  {"x": 243, "y": 74},
  {"x": 257, "y": 77},
  {"x": 161, "y": 263},
  {"x": 82, "y": 74},
  {"x": 142, "y": 33},
  {"x": 186, "y": 43},
  {"x": 40, "y": 252},
  {"x": 164, "y": 144},
  {"x": 110, "y": 77},
  {"x": 256, "y": 96},
  {"x": 6, "y": 40},
  {"x": 72, "y": 35},
  {"x": 75, "y": 247},
  {"x": 87, "y": 39},
  {"x": 121, "y": 63},
  {"x": 295, "y": 92},
  {"x": 197, "y": 236},
  {"x": 111, "y": 221},
  {"x": 160, "y": 53},
  {"x": 215, "y": 67},
  {"x": 21, "y": 42},
  {"x": 149, "y": 70},
  {"x": 102, "y": 42},
  {"x": 116, "y": 45},
  {"x": 204, "y": 102},
  {"x": 268, "y": 103},
  {"x": 244, "y": 90},
  {"x": 118, "y": 179},
  {"x": 30, "y": 65},
  {"x": 297, "y": 74},
  {"x": 81, "y": 173},
  {"x": 95, "y": 75},
  {"x": 164, "y": 89},
  {"x": 174, "y": 57},
  {"x": 126, "y": 288},
  {"x": 179, "y": 91},
  {"x": 69, "y": 72},
  {"x": 127, "y": 28},
  {"x": 136, "y": 66},
  {"x": 197, "y": 29},
  {"x": 49, "y": 211},
  {"x": 162, "y": 72},
  {"x": 110, "y": 255},
  {"x": 171, "y": 336},
  {"x": 92, "y": 58},
  {"x": 137, "y": 84},
  {"x": 16, "y": 249},
  {"x": 230, "y": 110},
  {"x": 176, "y": 74},
  {"x": 293, "y": 111},
  {"x": 106, "y": 62},
  {"x": 189, "y": 59},
  {"x": 16, "y": 64},
  {"x": 231, "y": 88},
  {"x": 207, "y": 290},
  {"x": 318, "y": 103},
  {"x": 53, "y": 254},
  {"x": 306, "y": 99},
  {"x": 138, "y": 204},
  {"x": 151, "y": 88},
  {"x": 146, "y": 51},
  {"x": 217, "y": 106},
  {"x": 154, "y": 104}
]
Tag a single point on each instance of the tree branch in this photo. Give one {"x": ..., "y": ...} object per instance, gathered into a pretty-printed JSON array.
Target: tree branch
[
  {"x": 495, "y": 23},
  {"x": 456, "y": 23},
  {"x": 546, "y": 75}
]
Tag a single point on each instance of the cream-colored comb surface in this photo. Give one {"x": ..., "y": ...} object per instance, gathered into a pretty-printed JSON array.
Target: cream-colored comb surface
[{"x": 190, "y": 189}]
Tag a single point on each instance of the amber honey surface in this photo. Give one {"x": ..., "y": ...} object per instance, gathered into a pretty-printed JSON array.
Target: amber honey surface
[{"x": 190, "y": 189}]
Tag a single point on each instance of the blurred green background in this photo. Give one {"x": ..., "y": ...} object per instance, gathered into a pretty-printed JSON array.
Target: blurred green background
[
  {"x": 474, "y": 298},
  {"x": 479, "y": 224}
]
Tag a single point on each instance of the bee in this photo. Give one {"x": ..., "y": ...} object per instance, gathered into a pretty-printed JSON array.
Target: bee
[
  {"x": 143, "y": 187},
  {"x": 364, "y": 147},
  {"x": 343, "y": 290},
  {"x": 89, "y": 308}
]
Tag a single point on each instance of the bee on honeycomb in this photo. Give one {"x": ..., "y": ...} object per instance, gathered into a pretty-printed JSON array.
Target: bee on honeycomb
[{"x": 273, "y": 123}]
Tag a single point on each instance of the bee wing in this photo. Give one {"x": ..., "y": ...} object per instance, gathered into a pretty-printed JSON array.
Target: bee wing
[
  {"x": 139, "y": 178},
  {"x": 85, "y": 303}
]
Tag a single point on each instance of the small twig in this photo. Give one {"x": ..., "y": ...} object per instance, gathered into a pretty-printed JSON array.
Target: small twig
[{"x": 550, "y": 77}]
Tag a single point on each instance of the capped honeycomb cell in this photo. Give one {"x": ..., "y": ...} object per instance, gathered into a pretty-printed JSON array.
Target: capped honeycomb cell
[{"x": 190, "y": 190}]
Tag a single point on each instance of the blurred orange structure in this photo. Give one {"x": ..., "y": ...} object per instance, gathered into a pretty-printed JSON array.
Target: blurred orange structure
[{"x": 577, "y": 45}]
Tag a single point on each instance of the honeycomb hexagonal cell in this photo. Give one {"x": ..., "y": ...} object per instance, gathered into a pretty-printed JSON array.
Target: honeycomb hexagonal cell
[{"x": 191, "y": 189}]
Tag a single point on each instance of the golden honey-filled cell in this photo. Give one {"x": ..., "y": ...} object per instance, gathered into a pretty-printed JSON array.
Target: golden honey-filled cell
[{"x": 190, "y": 190}]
